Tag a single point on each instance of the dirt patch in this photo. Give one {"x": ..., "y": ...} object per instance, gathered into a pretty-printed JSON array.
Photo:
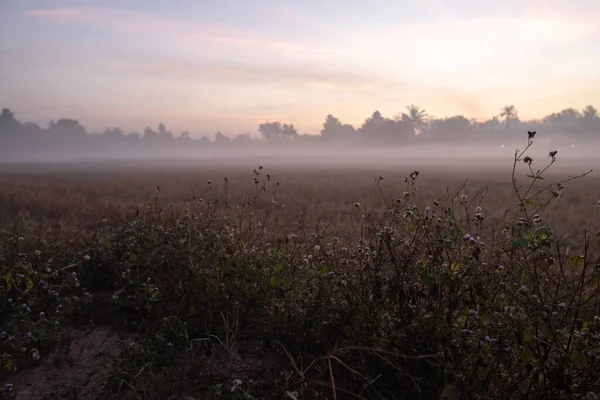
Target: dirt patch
[{"x": 72, "y": 371}]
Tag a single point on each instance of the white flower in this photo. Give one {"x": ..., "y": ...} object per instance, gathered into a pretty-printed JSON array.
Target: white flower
[
  {"x": 35, "y": 354},
  {"x": 86, "y": 257},
  {"x": 38, "y": 253},
  {"x": 463, "y": 198}
]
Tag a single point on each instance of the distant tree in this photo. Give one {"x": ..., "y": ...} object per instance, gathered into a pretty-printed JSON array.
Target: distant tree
[
  {"x": 451, "y": 129},
  {"x": 163, "y": 133},
  {"x": 590, "y": 113},
  {"x": 509, "y": 113},
  {"x": 570, "y": 114},
  {"x": 150, "y": 135},
  {"x": 274, "y": 131},
  {"x": 334, "y": 130},
  {"x": 221, "y": 139},
  {"x": 185, "y": 135},
  {"x": 416, "y": 117},
  {"x": 7, "y": 118},
  {"x": 135, "y": 135},
  {"x": 371, "y": 127},
  {"x": 67, "y": 129}
]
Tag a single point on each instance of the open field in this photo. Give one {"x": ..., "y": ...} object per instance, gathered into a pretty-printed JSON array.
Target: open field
[
  {"x": 208, "y": 280},
  {"x": 78, "y": 196}
]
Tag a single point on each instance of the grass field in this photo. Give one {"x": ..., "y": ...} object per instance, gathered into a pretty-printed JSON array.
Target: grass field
[{"x": 212, "y": 281}]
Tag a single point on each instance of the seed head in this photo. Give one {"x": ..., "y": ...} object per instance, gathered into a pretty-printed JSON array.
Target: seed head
[
  {"x": 553, "y": 154},
  {"x": 527, "y": 160},
  {"x": 531, "y": 134},
  {"x": 209, "y": 182}
]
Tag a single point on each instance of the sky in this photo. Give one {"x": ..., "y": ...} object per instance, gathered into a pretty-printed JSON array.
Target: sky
[{"x": 229, "y": 65}]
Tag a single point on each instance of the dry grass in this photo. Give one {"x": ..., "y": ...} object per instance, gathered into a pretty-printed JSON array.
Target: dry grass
[{"x": 79, "y": 196}]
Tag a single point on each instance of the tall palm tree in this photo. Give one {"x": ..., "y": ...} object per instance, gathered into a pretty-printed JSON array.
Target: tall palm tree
[
  {"x": 417, "y": 117},
  {"x": 508, "y": 112}
]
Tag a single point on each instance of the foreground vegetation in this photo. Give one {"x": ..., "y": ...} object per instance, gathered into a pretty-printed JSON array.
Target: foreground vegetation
[{"x": 435, "y": 299}]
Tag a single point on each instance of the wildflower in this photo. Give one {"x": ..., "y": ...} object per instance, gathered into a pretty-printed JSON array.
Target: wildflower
[
  {"x": 356, "y": 205},
  {"x": 317, "y": 248},
  {"x": 562, "y": 305},
  {"x": 8, "y": 386},
  {"x": 473, "y": 312},
  {"x": 589, "y": 354},
  {"x": 236, "y": 383},
  {"x": 414, "y": 174},
  {"x": 38, "y": 253},
  {"x": 508, "y": 349},
  {"x": 86, "y": 257},
  {"x": 467, "y": 237},
  {"x": 42, "y": 314},
  {"x": 23, "y": 349},
  {"x": 21, "y": 238},
  {"x": 500, "y": 267},
  {"x": 467, "y": 331},
  {"x": 479, "y": 216},
  {"x": 478, "y": 209},
  {"x": 428, "y": 210},
  {"x": 406, "y": 194},
  {"x": 527, "y": 160},
  {"x": 490, "y": 339},
  {"x": 209, "y": 181},
  {"x": 35, "y": 354},
  {"x": 531, "y": 134},
  {"x": 463, "y": 198},
  {"x": 292, "y": 395}
]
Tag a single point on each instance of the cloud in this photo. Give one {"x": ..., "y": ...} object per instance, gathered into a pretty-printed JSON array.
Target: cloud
[
  {"x": 150, "y": 24},
  {"x": 320, "y": 77}
]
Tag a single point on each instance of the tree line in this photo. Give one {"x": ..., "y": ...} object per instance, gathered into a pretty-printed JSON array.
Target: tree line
[{"x": 412, "y": 126}]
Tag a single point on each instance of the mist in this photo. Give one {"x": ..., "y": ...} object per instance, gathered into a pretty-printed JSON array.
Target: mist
[{"x": 409, "y": 138}]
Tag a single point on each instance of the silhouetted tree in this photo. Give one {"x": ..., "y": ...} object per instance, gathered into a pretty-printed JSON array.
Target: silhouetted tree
[
  {"x": 333, "y": 130},
  {"x": 416, "y": 117},
  {"x": 275, "y": 131},
  {"x": 509, "y": 113},
  {"x": 221, "y": 139}
]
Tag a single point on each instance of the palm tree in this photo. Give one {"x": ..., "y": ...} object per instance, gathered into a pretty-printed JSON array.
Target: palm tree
[
  {"x": 508, "y": 112},
  {"x": 416, "y": 117}
]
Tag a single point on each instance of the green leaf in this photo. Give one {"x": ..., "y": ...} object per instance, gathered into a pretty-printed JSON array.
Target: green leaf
[
  {"x": 28, "y": 284},
  {"x": 454, "y": 266},
  {"x": 520, "y": 242},
  {"x": 527, "y": 200},
  {"x": 544, "y": 230},
  {"x": 274, "y": 282},
  {"x": 576, "y": 262}
]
